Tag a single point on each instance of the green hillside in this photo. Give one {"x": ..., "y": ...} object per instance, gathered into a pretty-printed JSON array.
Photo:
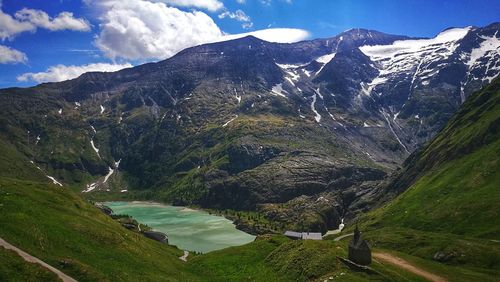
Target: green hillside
[
  {"x": 14, "y": 268},
  {"x": 450, "y": 211},
  {"x": 456, "y": 177},
  {"x": 59, "y": 227},
  {"x": 70, "y": 234}
]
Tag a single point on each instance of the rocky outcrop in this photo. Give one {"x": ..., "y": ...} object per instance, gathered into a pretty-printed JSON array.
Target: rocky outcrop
[{"x": 157, "y": 236}]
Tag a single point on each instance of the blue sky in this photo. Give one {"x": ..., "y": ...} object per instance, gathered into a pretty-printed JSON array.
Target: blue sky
[{"x": 38, "y": 43}]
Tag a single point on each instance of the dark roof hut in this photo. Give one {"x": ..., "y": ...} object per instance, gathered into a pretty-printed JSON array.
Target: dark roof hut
[{"x": 359, "y": 251}]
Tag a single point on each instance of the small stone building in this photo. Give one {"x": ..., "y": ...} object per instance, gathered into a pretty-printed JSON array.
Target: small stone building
[{"x": 359, "y": 251}]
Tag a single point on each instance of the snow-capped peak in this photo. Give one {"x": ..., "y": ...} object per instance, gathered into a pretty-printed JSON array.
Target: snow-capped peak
[{"x": 402, "y": 47}]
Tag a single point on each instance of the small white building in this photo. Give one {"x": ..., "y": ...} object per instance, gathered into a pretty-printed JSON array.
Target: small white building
[{"x": 303, "y": 235}]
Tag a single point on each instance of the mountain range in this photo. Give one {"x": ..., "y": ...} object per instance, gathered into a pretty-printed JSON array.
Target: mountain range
[{"x": 300, "y": 131}]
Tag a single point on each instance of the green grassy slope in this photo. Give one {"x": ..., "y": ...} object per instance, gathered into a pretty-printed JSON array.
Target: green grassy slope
[
  {"x": 16, "y": 165},
  {"x": 59, "y": 227},
  {"x": 68, "y": 233},
  {"x": 15, "y": 268},
  {"x": 276, "y": 258},
  {"x": 451, "y": 204},
  {"x": 456, "y": 177}
]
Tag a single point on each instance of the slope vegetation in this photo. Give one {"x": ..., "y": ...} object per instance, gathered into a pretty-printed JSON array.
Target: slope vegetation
[
  {"x": 68, "y": 233},
  {"x": 449, "y": 212}
]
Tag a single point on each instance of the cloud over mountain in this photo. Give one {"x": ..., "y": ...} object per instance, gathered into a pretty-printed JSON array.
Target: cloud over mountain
[
  {"x": 62, "y": 72},
  {"x": 135, "y": 29},
  {"x": 143, "y": 30}
]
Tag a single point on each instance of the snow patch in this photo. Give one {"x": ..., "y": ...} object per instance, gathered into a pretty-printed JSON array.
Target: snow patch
[
  {"x": 490, "y": 44},
  {"x": 324, "y": 60},
  {"x": 236, "y": 96},
  {"x": 313, "y": 108},
  {"x": 394, "y": 132},
  {"x": 368, "y": 88},
  {"x": 48, "y": 176},
  {"x": 413, "y": 56},
  {"x": 401, "y": 47},
  {"x": 95, "y": 148},
  {"x": 289, "y": 80},
  {"x": 396, "y": 116},
  {"x": 92, "y": 142},
  {"x": 111, "y": 171},
  {"x": 90, "y": 187},
  {"x": 291, "y": 71},
  {"x": 291, "y": 66},
  {"x": 330, "y": 114},
  {"x": 54, "y": 180},
  {"x": 278, "y": 90},
  {"x": 229, "y": 121}
]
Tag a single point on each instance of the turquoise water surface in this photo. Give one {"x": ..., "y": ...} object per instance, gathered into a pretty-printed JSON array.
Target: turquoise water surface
[{"x": 188, "y": 229}]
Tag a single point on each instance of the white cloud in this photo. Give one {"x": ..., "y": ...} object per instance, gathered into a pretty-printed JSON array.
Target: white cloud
[
  {"x": 210, "y": 5},
  {"x": 62, "y": 72},
  {"x": 135, "y": 29},
  {"x": 241, "y": 1},
  {"x": 9, "y": 27},
  {"x": 268, "y": 2},
  {"x": 29, "y": 20},
  {"x": 278, "y": 35},
  {"x": 238, "y": 15},
  {"x": 63, "y": 21},
  {"x": 11, "y": 56},
  {"x": 143, "y": 30}
]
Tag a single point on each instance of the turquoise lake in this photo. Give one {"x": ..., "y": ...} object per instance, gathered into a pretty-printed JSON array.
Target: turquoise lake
[{"x": 188, "y": 229}]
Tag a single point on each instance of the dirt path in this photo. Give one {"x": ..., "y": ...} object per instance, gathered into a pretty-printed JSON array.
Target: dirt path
[
  {"x": 185, "y": 256},
  {"x": 29, "y": 258},
  {"x": 399, "y": 262}
]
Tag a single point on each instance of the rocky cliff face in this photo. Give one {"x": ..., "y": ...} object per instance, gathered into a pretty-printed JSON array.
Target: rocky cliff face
[{"x": 245, "y": 123}]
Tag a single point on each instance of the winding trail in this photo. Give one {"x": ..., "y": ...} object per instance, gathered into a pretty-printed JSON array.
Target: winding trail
[
  {"x": 401, "y": 263},
  {"x": 185, "y": 256},
  {"x": 29, "y": 258}
]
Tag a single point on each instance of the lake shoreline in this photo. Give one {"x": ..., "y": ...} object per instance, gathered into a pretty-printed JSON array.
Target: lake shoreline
[
  {"x": 239, "y": 224},
  {"x": 188, "y": 228}
]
